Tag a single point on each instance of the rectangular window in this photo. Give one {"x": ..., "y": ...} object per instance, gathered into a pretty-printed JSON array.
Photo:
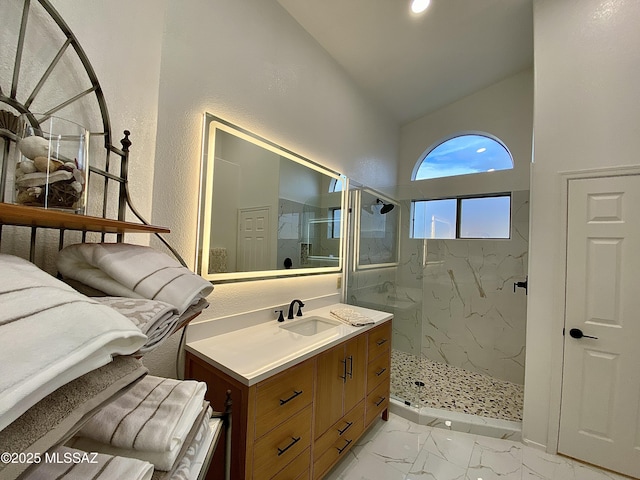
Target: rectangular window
[
  {"x": 467, "y": 217},
  {"x": 334, "y": 225},
  {"x": 485, "y": 217},
  {"x": 434, "y": 218}
]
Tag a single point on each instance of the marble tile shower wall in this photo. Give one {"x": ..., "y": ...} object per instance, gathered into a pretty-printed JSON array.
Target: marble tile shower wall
[{"x": 470, "y": 316}]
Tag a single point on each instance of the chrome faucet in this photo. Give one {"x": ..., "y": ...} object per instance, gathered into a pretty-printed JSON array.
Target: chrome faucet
[{"x": 291, "y": 305}]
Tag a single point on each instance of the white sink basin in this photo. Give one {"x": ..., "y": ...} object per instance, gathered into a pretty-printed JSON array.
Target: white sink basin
[{"x": 310, "y": 326}]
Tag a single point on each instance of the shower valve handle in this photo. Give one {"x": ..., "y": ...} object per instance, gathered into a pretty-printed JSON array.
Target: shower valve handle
[{"x": 524, "y": 285}]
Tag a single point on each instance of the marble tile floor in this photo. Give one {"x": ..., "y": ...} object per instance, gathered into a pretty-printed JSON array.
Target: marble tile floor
[
  {"x": 403, "y": 450},
  {"x": 451, "y": 388}
]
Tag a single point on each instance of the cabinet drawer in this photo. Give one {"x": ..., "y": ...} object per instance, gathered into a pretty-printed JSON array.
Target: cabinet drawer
[
  {"x": 338, "y": 449},
  {"x": 298, "y": 469},
  {"x": 343, "y": 428},
  {"x": 378, "y": 371},
  {"x": 282, "y": 445},
  {"x": 377, "y": 401},
  {"x": 282, "y": 396},
  {"x": 379, "y": 340}
]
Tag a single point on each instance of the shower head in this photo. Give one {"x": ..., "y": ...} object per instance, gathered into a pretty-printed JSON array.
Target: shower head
[{"x": 386, "y": 207}]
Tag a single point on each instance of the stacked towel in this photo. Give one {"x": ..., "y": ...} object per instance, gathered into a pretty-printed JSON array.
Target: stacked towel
[
  {"x": 351, "y": 317},
  {"x": 59, "y": 415},
  {"x": 77, "y": 465},
  {"x": 51, "y": 335},
  {"x": 151, "y": 421},
  {"x": 189, "y": 465},
  {"x": 134, "y": 271},
  {"x": 157, "y": 320}
]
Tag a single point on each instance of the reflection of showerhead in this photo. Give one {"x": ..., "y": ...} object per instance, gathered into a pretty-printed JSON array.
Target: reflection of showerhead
[{"x": 386, "y": 207}]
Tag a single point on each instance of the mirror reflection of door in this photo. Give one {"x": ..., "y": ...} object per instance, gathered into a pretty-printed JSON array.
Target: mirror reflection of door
[{"x": 253, "y": 239}]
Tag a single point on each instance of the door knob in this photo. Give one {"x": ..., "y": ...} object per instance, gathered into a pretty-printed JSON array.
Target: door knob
[{"x": 577, "y": 333}]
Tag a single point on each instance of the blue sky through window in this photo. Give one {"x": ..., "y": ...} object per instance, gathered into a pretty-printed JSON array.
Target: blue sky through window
[
  {"x": 480, "y": 217},
  {"x": 434, "y": 219},
  {"x": 463, "y": 155},
  {"x": 485, "y": 217}
]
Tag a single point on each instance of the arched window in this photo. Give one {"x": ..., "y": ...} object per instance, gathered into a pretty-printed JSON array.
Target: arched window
[
  {"x": 461, "y": 155},
  {"x": 335, "y": 213},
  {"x": 336, "y": 185}
]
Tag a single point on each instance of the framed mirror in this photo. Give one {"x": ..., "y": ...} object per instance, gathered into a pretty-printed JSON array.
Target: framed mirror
[
  {"x": 264, "y": 210},
  {"x": 377, "y": 230}
]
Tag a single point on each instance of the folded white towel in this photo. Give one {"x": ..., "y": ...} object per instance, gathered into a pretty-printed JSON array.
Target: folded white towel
[
  {"x": 155, "y": 319},
  {"x": 134, "y": 271},
  {"x": 51, "y": 334},
  {"x": 189, "y": 465},
  {"x": 164, "y": 461},
  {"x": 72, "y": 464},
  {"x": 160, "y": 460},
  {"x": 155, "y": 415},
  {"x": 351, "y": 317}
]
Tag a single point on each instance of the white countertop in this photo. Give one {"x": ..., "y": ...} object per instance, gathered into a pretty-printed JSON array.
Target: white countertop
[{"x": 255, "y": 353}]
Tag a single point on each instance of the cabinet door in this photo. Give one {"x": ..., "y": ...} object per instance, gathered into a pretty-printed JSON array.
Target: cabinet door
[
  {"x": 331, "y": 371},
  {"x": 356, "y": 363}
]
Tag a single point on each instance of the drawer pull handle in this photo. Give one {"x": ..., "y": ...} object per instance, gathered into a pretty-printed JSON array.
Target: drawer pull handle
[
  {"x": 379, "y": 402},
  {"x": 350, "y": 372},
  {"x": 381, "y": 372},
  {"x": 293, "y": 442},
  {"x": 382, "y": 341},
  {"x": 295, "y": 394},
  {"x": 340, "y": 450},
  {"x": 345, "y": 428}
]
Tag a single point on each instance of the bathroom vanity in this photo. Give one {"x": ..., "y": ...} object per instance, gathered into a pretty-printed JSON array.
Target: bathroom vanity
[{"x": 304, "y": 390}]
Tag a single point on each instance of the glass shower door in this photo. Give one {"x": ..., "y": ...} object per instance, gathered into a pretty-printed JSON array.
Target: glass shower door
[{"x": 380, "y": 279}]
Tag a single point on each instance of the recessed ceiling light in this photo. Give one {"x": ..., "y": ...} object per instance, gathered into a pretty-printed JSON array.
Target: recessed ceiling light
[
  {"x": 419, "y": 6},
  {"x": 480, "y": 150}
]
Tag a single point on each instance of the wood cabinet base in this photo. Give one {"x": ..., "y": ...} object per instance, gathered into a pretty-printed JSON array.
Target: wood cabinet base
[{"x": 297, "y": 424}]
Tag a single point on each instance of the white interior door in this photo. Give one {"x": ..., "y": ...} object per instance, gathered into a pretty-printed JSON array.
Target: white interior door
[
  {"x": 253, "y": 239},
  {"x": 600, "y": 412}
]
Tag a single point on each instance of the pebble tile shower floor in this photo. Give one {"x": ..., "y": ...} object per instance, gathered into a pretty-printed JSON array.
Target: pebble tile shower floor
[{"x": 452, "y": 388}]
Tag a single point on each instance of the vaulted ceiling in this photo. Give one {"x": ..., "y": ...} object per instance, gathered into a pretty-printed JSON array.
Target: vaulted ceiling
[{"x": 414, "y": 64}]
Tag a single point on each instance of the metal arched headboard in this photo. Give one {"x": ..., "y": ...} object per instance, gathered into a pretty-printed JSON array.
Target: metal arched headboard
[{"x": 14, "y": 102}]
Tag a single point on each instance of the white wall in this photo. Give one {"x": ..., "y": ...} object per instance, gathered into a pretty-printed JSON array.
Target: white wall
[
  {"x": 505, "y": 110},
  {"x": 250, "y": 63},
  {"x": 123, "y": 41},
  {"x": 586, "y": 116}
]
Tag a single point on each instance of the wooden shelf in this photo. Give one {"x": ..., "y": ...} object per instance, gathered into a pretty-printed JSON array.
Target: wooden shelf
[{"x": 11, "y": 214}]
